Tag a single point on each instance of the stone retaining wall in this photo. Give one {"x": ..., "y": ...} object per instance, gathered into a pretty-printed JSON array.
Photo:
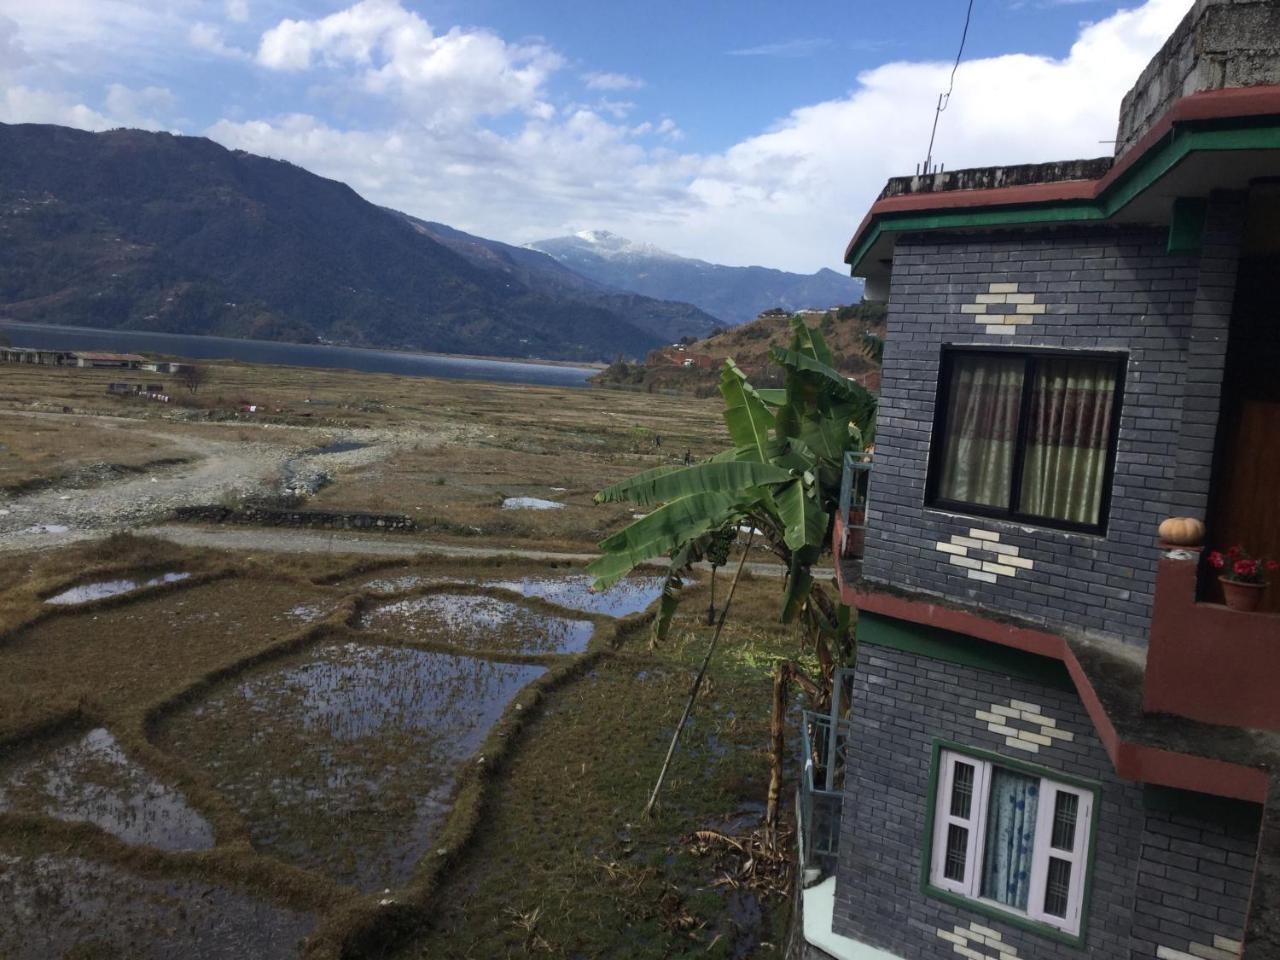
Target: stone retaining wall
[{"x": 268, "y": 516}]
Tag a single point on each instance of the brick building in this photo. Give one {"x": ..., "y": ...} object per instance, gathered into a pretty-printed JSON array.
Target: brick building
[{"x": 1056, "y": 741}]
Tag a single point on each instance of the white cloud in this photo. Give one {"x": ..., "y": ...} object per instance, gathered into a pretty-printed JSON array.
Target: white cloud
[
  {"x": 142, "y": 108},
  {"x": 611, "y": 81},
  {"x": 12, "y": 54},
  {"x": 237, "y": 10},
  {"x": 20, "y": 104},
  {"x": 207, "y": 37},
  {"x": 393, "y": 51}
]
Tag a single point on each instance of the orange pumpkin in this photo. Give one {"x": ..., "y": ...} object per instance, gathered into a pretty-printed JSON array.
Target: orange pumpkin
[{"x": 1183, "y": 531}]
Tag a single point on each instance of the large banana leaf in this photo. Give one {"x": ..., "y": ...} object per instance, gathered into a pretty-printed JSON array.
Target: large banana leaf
[
  {"x": 806, "y": 339},
  {"x": 745, "y": 414},
  {"x": 804, "y": 523},
  {"x": 667, "y": 483},
  {"x": 665, "y": 530}
]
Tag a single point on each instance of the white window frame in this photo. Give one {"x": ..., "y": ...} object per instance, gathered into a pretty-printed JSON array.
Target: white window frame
[{"x": 1042, "y": 852}]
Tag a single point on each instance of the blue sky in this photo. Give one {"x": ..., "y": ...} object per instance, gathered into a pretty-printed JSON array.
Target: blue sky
[{"x": 740, "y": 132}]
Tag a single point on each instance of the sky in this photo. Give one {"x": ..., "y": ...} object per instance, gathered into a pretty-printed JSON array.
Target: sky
[{"x": 738, "y": 132}]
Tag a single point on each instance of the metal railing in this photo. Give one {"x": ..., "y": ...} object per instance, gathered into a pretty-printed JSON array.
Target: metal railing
[
  {"x": 821, "y": 789},
  {"x": 854, "y": 483}
]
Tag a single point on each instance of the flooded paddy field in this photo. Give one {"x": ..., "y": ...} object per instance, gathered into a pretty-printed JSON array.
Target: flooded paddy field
[
  {"x": 286, "y": 757},
  {"x": 343, "y": 760},
  {"x": 91, "y": 779},
  {"x": 55, "y": 905},
  {"x": 479, "y": 621}
]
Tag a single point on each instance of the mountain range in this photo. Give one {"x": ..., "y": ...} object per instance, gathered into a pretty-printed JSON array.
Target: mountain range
[
  {"x": 733, "y": 294},
  {"x": 128, "y": 229}
]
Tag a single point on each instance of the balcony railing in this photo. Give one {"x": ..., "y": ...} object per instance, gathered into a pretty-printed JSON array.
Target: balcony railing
[
  {"x": 823, "y": 740},
  {"x": 854, "y": 482}
]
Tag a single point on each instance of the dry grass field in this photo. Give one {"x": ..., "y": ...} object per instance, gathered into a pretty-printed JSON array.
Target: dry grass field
[{"x": 446, "y": 453}]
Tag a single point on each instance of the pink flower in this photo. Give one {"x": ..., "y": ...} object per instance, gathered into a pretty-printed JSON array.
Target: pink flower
[
  {"x": 1245, "y": 568},
  {"x": 1272, "y": 566},
  {"x": 1216, "y": 560},
  {"x": 1233, "y": 552}
]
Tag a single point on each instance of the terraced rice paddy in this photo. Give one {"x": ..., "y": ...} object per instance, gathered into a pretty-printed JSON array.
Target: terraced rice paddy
[
  {"x": 309, "y": 738},
  {"x": 344, "y": 759}
]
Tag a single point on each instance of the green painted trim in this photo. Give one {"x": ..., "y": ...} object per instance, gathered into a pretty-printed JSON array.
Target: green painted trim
[
  {"x": 1186, "y": 224},
  {"x": 986, "y": 910},
  {"x": 878, "y": 630},
  {"x": 1154, "y": 164}
]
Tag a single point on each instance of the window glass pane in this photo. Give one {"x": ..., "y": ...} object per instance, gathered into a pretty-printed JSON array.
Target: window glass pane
[
  {"x": 957, "y": 844},
  {"x": 962, "y": 791},
  {"x": 1068, "y": 439},
  {"x": 1064, "y": 821},
  {"x": 984, "y": 398},
  {"x": 1057, "y": 888},
  {"x": 1011, "y": 829}
]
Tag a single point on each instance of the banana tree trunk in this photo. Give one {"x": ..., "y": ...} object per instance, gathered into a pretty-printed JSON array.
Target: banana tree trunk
[{"x": 777, "y": 749}]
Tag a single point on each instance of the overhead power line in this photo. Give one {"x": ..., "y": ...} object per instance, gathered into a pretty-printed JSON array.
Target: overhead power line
[{"x": 944, "y": 99}]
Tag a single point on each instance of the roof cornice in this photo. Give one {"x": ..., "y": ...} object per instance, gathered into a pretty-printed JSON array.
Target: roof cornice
[{"x": 1229, "y": 119}]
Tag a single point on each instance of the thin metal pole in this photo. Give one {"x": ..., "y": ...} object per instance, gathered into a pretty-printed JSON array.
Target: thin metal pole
[{"x": 697, "y": 683}]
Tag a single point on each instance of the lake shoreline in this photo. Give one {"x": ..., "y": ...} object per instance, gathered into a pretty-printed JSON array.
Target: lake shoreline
[{"x": 313, "y": 355}]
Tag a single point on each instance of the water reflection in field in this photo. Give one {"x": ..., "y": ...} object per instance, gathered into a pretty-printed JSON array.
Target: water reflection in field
[
  {"x": 91, "y": 779},
  {"x": 345, "y": 760},
  {"x": 480, "y": 622},
  {"x": 56, "y": 906}
]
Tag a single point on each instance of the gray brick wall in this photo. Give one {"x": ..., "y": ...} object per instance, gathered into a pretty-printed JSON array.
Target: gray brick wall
[
  {"x": 1194, "y": 878},
  {"x": 1102, "y": 288},
  {"x": 1158, "y": 878}
]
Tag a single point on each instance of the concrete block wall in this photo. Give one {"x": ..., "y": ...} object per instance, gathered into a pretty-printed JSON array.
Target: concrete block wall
[
  {"x": 1100, "y": 288},
  {"x": 1146, "y": 898}
]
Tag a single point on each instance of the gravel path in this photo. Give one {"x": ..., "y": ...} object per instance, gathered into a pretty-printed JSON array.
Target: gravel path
[{"x": 219, "y": 469}]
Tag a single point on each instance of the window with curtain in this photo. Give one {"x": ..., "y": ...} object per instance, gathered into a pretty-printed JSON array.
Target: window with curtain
[
  {"x": 1029, "y": 435},
  {"x": 1010, "y": 840}
]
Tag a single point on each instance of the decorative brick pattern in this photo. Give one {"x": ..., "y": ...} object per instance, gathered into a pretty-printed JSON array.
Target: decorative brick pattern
[
  {"x": 1159, "y": 880},
  {"x": 978, "y": 942},
  {"x": 1222, "y": 949},
  {"x": 995, "y": 560},
  {"x": 1003, "y": 309},
  {"x": 1102, "y": 288},
  {"x": 1010, "y": 721}
]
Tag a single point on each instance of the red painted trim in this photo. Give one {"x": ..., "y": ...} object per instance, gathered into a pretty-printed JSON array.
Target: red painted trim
[
  {"x": 1208, "y": 105},
  {"x": 1132, "y": 761},
  {"x": 1207, "y": 662}
]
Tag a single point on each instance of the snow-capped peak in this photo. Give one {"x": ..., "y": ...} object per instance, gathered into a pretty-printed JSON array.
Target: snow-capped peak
[{"x": 602, "y": 243}]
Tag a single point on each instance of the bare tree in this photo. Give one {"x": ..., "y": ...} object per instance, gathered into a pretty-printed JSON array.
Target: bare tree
[{"x": 193, "y": 376}]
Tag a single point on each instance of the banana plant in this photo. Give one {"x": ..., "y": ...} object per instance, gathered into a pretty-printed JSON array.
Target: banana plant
[{"x": 780, "y": 477}]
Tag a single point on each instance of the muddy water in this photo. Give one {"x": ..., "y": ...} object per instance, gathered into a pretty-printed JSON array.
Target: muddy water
[
  {"x": 110, "y": 588},
  {"x": 574, "y": 592},
  {"x": 92, "y": 779},
  {"x": 53, "y": 905},
  {"x": 345, "y": 759},
  {"x": 480, "y": 622}
]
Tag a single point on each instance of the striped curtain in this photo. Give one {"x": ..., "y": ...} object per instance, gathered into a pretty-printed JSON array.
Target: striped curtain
[
  {"x": 983, "y": 401},
  {"x": 1068, "y": 438}
]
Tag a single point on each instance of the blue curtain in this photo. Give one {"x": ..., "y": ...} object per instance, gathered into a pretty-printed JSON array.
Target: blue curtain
[{"x": 1011, "y": 827}]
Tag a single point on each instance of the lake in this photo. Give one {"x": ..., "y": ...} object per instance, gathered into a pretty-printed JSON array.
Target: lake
[{"x": 294, "y": 354}]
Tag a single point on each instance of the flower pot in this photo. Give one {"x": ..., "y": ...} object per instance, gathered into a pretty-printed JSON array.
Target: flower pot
[{"x": 1240, "y": 595}]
